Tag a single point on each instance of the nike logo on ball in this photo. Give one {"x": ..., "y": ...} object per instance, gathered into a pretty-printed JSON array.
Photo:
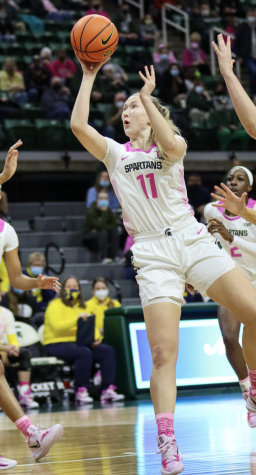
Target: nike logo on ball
[{"x": 105, "y": 42}]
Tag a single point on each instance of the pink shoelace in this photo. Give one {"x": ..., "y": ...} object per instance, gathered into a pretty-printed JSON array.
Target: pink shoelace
[{"x": 168, "y": 449}]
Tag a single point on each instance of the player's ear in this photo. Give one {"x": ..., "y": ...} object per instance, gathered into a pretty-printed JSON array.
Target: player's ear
[{"x": 249, "y": 188}]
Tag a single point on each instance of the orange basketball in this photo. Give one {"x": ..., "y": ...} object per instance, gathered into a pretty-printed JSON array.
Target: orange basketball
[{"x": 94, "y": 38}]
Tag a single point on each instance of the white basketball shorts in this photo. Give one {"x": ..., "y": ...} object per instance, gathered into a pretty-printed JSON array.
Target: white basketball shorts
[{"x": 166, "y": 261}]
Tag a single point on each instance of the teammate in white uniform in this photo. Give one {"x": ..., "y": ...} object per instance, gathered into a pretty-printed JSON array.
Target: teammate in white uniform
[
  {"x": 39, "y": 440},
  {"x": 171, "y": 247},
  {"x": 238, "y": 237}
]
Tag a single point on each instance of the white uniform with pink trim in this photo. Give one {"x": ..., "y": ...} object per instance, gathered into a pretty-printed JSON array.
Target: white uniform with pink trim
[
  {"x": 171, "y": 247},
  {"x": 243, "y": 248},
  {"x": 8, "y": 238}
]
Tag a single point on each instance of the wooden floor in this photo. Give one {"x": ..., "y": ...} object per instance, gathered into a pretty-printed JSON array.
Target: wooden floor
[{"x": 211, "y": 431}]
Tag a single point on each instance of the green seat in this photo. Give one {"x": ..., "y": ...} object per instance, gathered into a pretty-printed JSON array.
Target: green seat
[
  {"x": 63, "y": 36},
  {"x": 23, "y": 61},
  {"x": 33, "y": 48},
  {"x": 23, "y": 37},
  {"x": 4, "y": 47},
  {"x": 33, "y": 112},
  {"x": 71, "y": 142},
  {"x": 104, "y": 108},
  {"x": 15, "y": 49},
  {"x": 23, "y": 129},
  {"x": 131, "y": 49},
  {"x": 51, "y": 134}
]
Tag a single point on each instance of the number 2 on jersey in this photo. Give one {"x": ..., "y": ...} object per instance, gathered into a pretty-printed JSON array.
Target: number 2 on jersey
[{"x": 151, "y": 178}]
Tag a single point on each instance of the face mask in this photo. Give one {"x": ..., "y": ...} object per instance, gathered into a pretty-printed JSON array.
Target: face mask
[
  {"x": 164, "y": 57},
  {"x": 104, "y": 184},
  {"x": 251, "y": 19},
  {"x": 103, "y": 203},
  {"x": 18, "y": 291},
  {"x": 57, "y": 87},
  {"x": 174, "y": 72},
  {"x": 36, "y": 270},
  {"x": 148, "y": 22},
  {"x": 72, "y": 294},
  {"x": 205, "y": 13},
  {"x": 194, "y": 45},
  {"x": 101, "y": 294},
  {"x": 199, "y": 89},
  {"x": 119, "y": 104}
]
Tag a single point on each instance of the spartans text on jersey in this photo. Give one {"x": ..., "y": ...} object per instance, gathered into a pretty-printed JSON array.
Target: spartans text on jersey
[{"x": 143, "y": 166}]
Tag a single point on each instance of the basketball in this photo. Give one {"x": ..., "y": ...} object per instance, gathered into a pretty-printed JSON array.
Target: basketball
[{"x": 94, "y": 38}]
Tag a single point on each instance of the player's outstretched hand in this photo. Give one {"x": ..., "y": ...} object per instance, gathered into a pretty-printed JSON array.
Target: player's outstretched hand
[
  {"x": 91, "y": 69},
  {"x": 224, "y": 55},
  {"x": 230, "y": 201},
  {"x": 46, "y": 282},
  {"x": 149, "y": 80},
  {"x": 10, "y": 166}
]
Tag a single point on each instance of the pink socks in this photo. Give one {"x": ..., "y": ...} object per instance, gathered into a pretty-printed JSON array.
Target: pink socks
[
  {"x": 23, "y": 424},
  {"x": 252, "y": 377},
  {"x": 165, "y": 423}
]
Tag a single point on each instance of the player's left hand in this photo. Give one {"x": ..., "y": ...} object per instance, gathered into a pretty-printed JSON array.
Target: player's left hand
[
  {"x": 224, "y": 55},
  {"x": 10, "y": 163},
  {"x": 149, "y": 80},
  {"x": 230, "y": 201},
  {"x": 46, "y": 282},
  {"x": 216, "y": 226}
]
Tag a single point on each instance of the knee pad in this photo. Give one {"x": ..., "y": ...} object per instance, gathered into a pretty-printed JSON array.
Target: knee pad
[{"x": 24, "y": 360}]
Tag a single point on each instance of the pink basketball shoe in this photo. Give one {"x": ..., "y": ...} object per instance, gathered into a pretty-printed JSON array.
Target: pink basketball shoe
[
  {"x": 7, "y": 463},
  {"x": 41, "y": 439},
  {"x": 251, "y": 406},
  {"x": 171, "y": 457}
]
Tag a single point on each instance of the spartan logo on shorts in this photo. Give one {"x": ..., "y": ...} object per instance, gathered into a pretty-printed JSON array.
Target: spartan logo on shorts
[
  {"x": 168, "y": 232},
  {"x": 218, "y": 243}
]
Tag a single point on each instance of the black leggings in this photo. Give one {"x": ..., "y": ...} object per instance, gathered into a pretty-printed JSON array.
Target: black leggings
[{"x": 23, "y": 359}]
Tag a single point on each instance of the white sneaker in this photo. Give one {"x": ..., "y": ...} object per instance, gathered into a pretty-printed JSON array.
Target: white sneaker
[
  {"x": 82, "y": 396},
  {"x": 111, "y": 395},
  {"x": 97, "y": 380},
  {"x": 41, "y": 439},
  {"x": 7, "y": 463},
  {"x": 25, "y": 398},
  {"x": 171, "y": 457}
]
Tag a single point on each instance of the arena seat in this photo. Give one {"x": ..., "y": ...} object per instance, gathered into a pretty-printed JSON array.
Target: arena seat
[
  {"x": 64, "y": 208},
  {"x": 25, "y": 210},
  {"x": 33, "y": 239},
  {"x": 51, "y": 134},
  {"x": 21, "y": 128}
]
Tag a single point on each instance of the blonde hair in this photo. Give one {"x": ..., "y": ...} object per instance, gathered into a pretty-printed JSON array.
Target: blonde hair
[
  {"x": 164, "y": 111},
  {"x": 36, "y": 256}
]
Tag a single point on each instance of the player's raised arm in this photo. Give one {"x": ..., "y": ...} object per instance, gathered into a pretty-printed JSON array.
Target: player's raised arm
[
  {"x": 172, "y": 146},
  {"x": 95, "y": 143},
  {"x": 242, "y": 103},
  {"x": 233, "y": 203}
]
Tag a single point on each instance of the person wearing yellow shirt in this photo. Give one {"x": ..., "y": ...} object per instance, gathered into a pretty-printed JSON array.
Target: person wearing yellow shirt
[
  {"x": 60, "y": 333},
  {"x": 4, "y": 278},
  {"x": 12, "y": 81},
  {"x": 100, "y": 302}
]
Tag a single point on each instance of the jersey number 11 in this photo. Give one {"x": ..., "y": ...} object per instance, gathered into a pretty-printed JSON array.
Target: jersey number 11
[{"x": 151, "y": 178}]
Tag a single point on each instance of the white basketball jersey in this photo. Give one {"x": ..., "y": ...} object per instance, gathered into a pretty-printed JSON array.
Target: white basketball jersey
[
  {"x": 151, "y": 189},
  {"x": 243, "y": 248}
]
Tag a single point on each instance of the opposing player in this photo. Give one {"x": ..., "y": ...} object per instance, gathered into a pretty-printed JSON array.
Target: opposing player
[
  {"x": 171, "y": 247},
  {"x": 238, "y": 238},
  {"x": 39, "y": 440}
]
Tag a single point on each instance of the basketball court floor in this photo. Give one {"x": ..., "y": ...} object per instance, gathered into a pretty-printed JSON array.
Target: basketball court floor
[{"x": 211, "y": 431}]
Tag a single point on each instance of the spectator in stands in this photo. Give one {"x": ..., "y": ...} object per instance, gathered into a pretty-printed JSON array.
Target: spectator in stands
[
  {"x": 46, "y": 57},
  {"x": 12, "y": 354},
  {"x": 6, "y": 26},
  {"x": 172, "y": 86},
  {"x": 12, "y": 81},
  {"x": 113, "y": 82},
  {"x": 96, "y": 9},
  {"x": 198, "y": 195},
  {"x": 157, "y": 54},
  {"x": 60, "y": 334},
  {"x": 148, "y": 30},
  {"x": 102, "y": 182},
  {"x": 195, "y": 56},
  {"x": 199, "y": 103},
  {"x": 63, "y": 67},
  {"x": 126, "y": 27},
  {"x": 22, "y": 304},
  {"x": 114, "y": 128},
  {"x": 80, "y": 5},
  {"x": 45, "y": 9},
  {"x": 37, "y": 79},
  {"x": 227, "y": 124},
  {"x": 116, "y": 70},
  {"x": 100, "y": 302},
  {"x": 36, "y": 266},
  {"x": 220, "y": 95},
  {"x": 100, "y": 229},
  {"x": 191, "y": 74},
  {"x": 245, "y": 46},
  {"x": 57, "y": 101},
  {"x": 4, "y": 279},
  {"x": 163, "y": 65},
  {"x": 232, "y": 22}
]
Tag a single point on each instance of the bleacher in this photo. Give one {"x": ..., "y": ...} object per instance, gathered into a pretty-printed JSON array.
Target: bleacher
[{"x": 61, "y": 223}]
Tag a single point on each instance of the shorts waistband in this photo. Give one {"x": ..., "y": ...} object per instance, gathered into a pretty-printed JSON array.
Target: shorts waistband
[{"x": 167, "y": 232}]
